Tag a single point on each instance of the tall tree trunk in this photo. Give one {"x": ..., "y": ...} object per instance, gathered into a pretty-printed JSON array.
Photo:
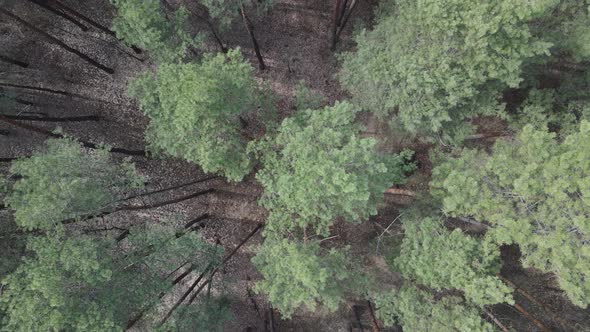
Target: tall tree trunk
[
  {"x": 57, "y": 42},
  {"x": 53, "y": 119},
  {"x": 335, "y": 19},
  {"x": 55, "y": 135},
  {"x": 182, "y": 185},
  {"x": 250, "y": 29},
  {"x": 13, "y": 61},
  {"x": 83, "y": 17},
  {"x": 226, "y": 259},
  {"x": 45, "y": 5}
]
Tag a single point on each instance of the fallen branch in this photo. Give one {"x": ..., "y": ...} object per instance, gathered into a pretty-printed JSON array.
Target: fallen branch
[{"x": 403, "y": 192}]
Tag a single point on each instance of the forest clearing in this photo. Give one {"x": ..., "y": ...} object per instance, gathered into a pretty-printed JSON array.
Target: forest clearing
[{"x": 281, "y": 165}]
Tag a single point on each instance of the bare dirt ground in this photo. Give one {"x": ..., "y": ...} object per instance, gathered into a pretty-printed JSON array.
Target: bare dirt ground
[{"x": 294, "y": 40}]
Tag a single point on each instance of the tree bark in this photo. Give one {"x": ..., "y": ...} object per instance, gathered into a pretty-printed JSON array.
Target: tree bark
[
  {"x": 45, "y": 5},
  {"x": 57, "y": 42},
  {"x": 13, "y": 61},
  {"x": 250, "y": 29}
]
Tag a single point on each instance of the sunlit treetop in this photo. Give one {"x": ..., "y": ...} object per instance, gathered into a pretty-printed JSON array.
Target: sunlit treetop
[
  {"x": 441, "y": 259},
  {"x": 318, "y": 167},
  {"x": 194, "y": 111},
  {"x": 435, "y": 63}
]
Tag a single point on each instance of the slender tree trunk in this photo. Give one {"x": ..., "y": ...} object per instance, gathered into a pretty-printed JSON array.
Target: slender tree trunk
[
  {"x": 83, "y": 17},
  {"x": 45, "y": 5},
  {"x": 342, "y": 25},
  {"x": 170, "y": 188},
  {"x": 374, "y": 323},
  {"x": 335, "y": 15},
  {"x": 34, "y": 88},
  {"x": 58, "y": 42},
  {"x": 250, "y": 29},
  {"x": 13, "y": 61},
  {"x": 55, "y": 135},
  {"x": 53, "y": 119},
  {"x": 138, "y": 207},
  {"x": 227, "y": 258}
]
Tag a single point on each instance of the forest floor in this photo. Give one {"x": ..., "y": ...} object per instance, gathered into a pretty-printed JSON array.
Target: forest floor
[{"x": 294, "y": 40}]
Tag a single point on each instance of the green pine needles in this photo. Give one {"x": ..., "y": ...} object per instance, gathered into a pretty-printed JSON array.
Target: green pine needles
[
  {"x": 194, "y": 111},
  {"x": 532, "y": 191},
  {"x": 61, "y": 181},
  {"x": 142, "y": 23},
  {"x": 436, "y": 63},
  {"x": 318, "y": 168}
]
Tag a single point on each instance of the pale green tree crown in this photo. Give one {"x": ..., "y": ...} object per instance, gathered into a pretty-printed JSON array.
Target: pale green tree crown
[
  {"x": 439, "y": 62},
  {"x": 318, "y": 168},
  {"x": 194, "y": 111},
  {"x": 534, "y": 192},
  {"x": 142, "y": 23},
  {"x": 441, "y": 259},
  {"x": 418, "y": 311},
  {"x": 62, "y": 181},
  {"x": 297, "y": 274}
]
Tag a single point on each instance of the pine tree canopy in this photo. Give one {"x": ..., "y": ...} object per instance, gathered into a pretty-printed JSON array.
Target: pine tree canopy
[
  {"x": 194, "y": 111},
  {"x": 318, "y": 168},
  {"x": 61, "y": 181},
  {"x": 534, "y": 192}
]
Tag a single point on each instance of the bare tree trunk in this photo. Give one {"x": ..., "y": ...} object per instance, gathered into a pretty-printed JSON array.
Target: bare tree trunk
[
  {"x": 44, "y": 5},
  {"x": 335, "y": 16},
  {"x": 169, "y": 188},
  {"x": 84, "y": 18},
  {"x": 13, "y": 61},
  {"x": 250, "y": 29},
  {"x": 55, "y": 135},
  {"x": 346, "y": 18},
  {"x": 57, "y": 42},
  {"x": 53, "y": 119}
]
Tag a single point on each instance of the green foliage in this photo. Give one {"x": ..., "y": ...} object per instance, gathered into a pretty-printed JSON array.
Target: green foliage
[
  {"x": 194, "y": 111},
  {"x": 550, "y": 108},
  {"x": 62, "y": 182},
  {"x": 297, "y": 274},
  {"x": 568, "y": 28},
  {"x": 142, "y": 23},
  {"x": 318, "y": 168},
  {"x": 72, "y": 284},
  {"x": 418, "y": 311},
  {"x": 440, "y": 259},
  {"x": 439, "y": 62},
  {"x": 533, "y": 192}
]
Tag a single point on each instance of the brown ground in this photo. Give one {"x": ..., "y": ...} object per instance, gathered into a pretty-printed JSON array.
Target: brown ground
[{"x": 293, "y": 38}]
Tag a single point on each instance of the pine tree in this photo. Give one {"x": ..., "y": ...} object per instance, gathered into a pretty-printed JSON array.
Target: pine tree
[
  {"x": 437, "y": 63},
  {"x": 318, "y": 168},
  {"x": 72, "y": 284},
  {"x": 195, "y": 108},
  {"x": 142, "y": 23},
  {"x": 533, "y": 192},
  {"x": 439, "y": 259},
  {"x": 417, "y": 310},
  {"x": 298, "y": 274},
  {"x": 61, "y": 181}
]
